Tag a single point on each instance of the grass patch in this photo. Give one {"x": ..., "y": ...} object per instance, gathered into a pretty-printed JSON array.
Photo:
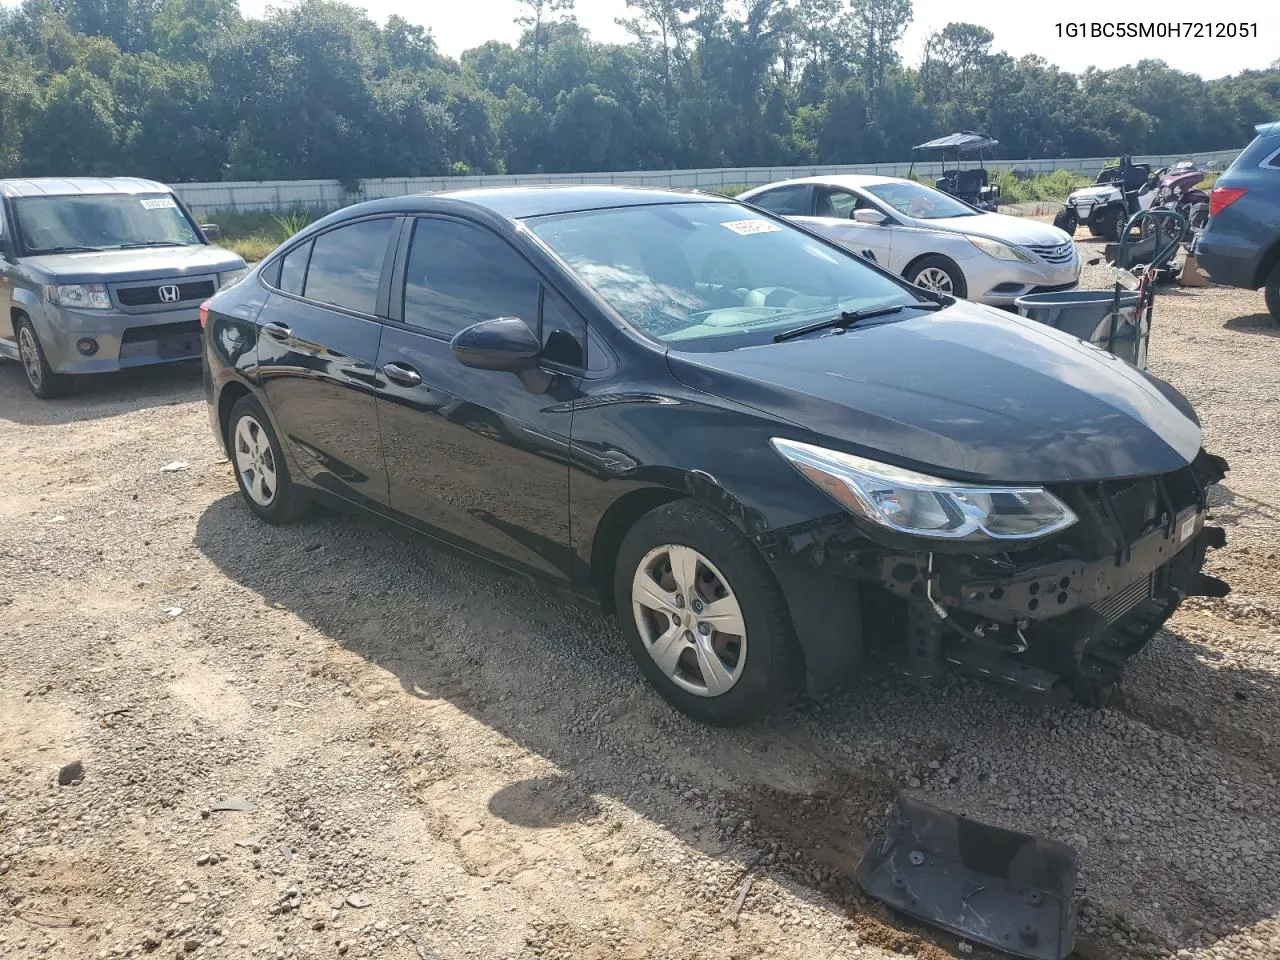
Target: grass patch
[
  {"x": 1050, "y": 186},
  {"x": 254, "y": 235}
]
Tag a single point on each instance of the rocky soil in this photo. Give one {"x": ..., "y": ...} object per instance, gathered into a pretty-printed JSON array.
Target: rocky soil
[{"x": 333, "y": 740}]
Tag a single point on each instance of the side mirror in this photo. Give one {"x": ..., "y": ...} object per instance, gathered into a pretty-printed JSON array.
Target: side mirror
[
  {"x": 211, "y": 230},
  {"x": 505, "y": 344},
  {"x": 867, "y": 215}
]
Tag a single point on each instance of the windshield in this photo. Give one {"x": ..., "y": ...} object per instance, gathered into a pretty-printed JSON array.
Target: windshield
[
  {"x": 920, "y": 202},
  {"x": 695, "y": 274},
  {"x": 101, "y": 222}
]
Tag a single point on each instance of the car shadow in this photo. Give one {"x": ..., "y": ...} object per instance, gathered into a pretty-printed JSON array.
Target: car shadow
[
  {"x": 797, "y": 797},
  {"x": 100, "y": 395},
  {"x": 1262, "y": 324}
]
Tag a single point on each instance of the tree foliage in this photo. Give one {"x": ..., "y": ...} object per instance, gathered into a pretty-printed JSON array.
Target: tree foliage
[{"x": 183, "y": 90}]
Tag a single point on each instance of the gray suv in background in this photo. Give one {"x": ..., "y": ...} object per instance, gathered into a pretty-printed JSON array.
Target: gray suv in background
[
  {"x": 99, "y": 275},
  {"x": 1240, "y": 246}
]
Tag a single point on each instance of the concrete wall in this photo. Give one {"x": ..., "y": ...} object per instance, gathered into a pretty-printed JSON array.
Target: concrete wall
[{"x": 282, "y": 195}]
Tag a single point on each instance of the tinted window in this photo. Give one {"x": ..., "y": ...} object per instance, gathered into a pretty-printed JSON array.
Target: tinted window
[
  {"x": 837, "y": 203},
  {"x": 460, "y": 274},
  {"x": 293, "y": 269},
  {"x": 785, "y": 201},
  {"x": 564, "y": 332},
  {"x": 346, "y": 265}
]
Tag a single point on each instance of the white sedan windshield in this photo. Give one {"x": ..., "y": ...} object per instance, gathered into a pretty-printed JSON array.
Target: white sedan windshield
[{"x": 688, "y": 271}]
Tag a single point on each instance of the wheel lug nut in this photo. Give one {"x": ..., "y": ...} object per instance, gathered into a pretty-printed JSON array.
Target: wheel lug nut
[
  {"x": 697, "y": 606},
  {"x": 704, "y": 629},
  {"x": 679, "y": 600},
  {"x": 688, "y": 635}
]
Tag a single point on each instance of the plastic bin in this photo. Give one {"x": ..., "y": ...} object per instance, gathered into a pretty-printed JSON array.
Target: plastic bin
[{"x": 1087, "y": 314}]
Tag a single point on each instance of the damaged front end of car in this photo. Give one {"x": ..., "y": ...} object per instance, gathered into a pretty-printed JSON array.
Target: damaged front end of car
[{"x": 1046, "y": 589}]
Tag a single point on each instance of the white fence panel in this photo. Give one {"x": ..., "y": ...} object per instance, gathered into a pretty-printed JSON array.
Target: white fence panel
[{"x": 277, "y": 196}]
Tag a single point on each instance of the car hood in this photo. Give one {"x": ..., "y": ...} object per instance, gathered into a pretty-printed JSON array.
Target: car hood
[
  {"x": 114, "y": 266},
  {"x": 998, "y": 226},
  {"x": 1104, "y": 191},
  {"x": 969, "y": 393}
]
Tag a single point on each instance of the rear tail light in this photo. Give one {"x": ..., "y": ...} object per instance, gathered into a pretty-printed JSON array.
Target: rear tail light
[
  {"x": 204, "y": 314},
  {"x": 1222, "y": 197}
]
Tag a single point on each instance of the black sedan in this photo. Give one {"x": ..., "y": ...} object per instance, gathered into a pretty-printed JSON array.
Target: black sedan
[{"x": 767, "y": 471}]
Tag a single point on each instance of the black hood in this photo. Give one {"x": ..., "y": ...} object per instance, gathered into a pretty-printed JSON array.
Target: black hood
[{"x": 969, "y": 393}]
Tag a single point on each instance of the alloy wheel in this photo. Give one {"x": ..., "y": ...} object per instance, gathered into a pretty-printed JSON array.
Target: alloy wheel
[
  {"x": 30, "y": 354},
  {"x": 255, "y": 461},
  {"x": 935, "y": 279},
  {"x": 689, "y": 620}
]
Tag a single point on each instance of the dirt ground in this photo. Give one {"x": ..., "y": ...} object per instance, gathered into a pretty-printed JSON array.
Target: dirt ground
[{"x": 440, "y": 762}]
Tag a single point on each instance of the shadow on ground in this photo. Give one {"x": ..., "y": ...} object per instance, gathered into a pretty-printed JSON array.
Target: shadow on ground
[
  {"x": 101, "y": 395},
  {"x": 1262, "y": 324},
  {"x": 554, "y": 678}
]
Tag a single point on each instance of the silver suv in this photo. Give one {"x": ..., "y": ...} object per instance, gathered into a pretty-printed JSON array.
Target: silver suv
[{"x": 99, "y": 275}]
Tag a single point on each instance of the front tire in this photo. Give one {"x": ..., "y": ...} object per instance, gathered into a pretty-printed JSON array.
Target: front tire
[
  {"x": 1272, "y": 292},
  {"x": 42, "y": 380},
  {"x": 1113, "y": 224},
  {"x": 937, "y": 274},
  {"x": 703, "y": 616},
  {"x": 262, "y": 473},
  {"x": 1066, "y": 221}
]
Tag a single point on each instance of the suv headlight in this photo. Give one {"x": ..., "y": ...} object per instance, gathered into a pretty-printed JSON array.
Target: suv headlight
[
  {"x": 923, "y": 506},
  {"x": 229, "y": 278},
  {"x": 1001, "y": 251},
  {"x": 79, "y": 296}
]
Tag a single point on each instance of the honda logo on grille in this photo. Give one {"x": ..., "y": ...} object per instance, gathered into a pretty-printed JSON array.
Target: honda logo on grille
[{"x": 170, "y": 294}]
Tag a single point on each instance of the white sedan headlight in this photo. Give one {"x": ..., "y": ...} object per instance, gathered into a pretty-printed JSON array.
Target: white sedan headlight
[
  {"x": 79, "y": 296},
  {"x": 923, "y": 506},
  {"x": 1001, "y": 251},
  {"x": 229, "y": 278}
]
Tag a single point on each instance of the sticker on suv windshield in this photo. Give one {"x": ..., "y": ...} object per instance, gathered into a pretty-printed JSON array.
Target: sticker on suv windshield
[
  {"x": 745, "y": 228},
  {"x": 159, "y": 203}
]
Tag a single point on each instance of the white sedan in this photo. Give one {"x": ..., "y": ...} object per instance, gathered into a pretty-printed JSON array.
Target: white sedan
[{"x": 928, "y": 237}]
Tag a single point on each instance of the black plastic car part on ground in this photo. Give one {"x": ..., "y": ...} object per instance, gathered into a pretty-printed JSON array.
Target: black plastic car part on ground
[{"x": 560, "y": 380}]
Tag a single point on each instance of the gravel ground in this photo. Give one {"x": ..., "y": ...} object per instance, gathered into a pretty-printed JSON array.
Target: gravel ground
[{"x": 439, "y": 762}]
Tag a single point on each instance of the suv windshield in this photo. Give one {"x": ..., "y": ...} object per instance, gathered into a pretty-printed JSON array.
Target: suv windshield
[
  {"x": 101, "y": 222},
  {"x": 686, "y": 272},
  {"x": 920, "y": 202}
]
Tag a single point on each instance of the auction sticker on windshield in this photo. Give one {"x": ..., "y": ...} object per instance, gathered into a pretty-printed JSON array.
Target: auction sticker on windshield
[
  {"x": 745, "y": 228},
  {"x": 159, "y": 203}
]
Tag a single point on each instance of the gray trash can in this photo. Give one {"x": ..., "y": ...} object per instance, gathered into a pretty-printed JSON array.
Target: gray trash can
[{"x": 1087, "y": 314}]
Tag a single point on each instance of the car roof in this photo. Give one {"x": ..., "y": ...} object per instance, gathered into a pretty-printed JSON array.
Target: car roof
[
  {"x": 73, "y": 186},
  {"x": 855, "y": 180},
  {"x": 1267, "y": 129},
  {"x": 516, "y": 203}
]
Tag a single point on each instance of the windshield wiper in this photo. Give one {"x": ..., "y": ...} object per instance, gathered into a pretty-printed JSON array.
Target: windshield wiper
[
  {"x": 66, "y": 249},
  {"x": 849, "y": 317},
  {"x": 137, "y": 244}
]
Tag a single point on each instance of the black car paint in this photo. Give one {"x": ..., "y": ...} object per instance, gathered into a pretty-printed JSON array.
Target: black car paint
[{"x": 559, "y": 464}]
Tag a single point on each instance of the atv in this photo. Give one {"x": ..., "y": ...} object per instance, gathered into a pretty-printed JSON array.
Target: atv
[{"x": 1105, "y": 207}]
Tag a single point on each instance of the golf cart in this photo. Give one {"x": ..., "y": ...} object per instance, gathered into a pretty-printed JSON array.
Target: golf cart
[{"x": 971, "y": 185}]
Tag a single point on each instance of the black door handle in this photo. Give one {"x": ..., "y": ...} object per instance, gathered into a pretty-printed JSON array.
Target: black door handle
[
  {"x": 280, "y": 331},
  {"x": 404, "y": 375}
]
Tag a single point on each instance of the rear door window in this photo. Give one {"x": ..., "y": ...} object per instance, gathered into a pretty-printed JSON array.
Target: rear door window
[
  {"x": 346, "y": 265},
  {"x": 293, "y": 269},
  {"x": 785, "y": 201}
]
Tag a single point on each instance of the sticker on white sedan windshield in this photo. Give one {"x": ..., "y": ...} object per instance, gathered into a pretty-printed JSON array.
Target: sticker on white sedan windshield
[
  {"x": 745, "y": 228},
  {"x": 159, "y": 203}
]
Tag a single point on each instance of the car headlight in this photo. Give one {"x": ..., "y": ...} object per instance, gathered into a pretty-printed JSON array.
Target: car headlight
[
  {"x": 923, "y": 506},
  {"x": 1001, "y": 251},
  {"x": 229, "y": 278},
  {"x": 80, "y": 296}
]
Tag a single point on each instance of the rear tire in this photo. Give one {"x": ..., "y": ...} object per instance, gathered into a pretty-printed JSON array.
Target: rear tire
[
  {"x": 42, "y": 380},
  {"x": 1273, "y": 293},
  {"x": 704, "y": 618},
  {"x": 262, "y": 473},
  {"x": 938, "y": 274}
]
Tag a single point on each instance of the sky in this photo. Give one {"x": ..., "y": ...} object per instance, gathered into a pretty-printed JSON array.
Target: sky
[{"x": 1019, "y": 29}]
